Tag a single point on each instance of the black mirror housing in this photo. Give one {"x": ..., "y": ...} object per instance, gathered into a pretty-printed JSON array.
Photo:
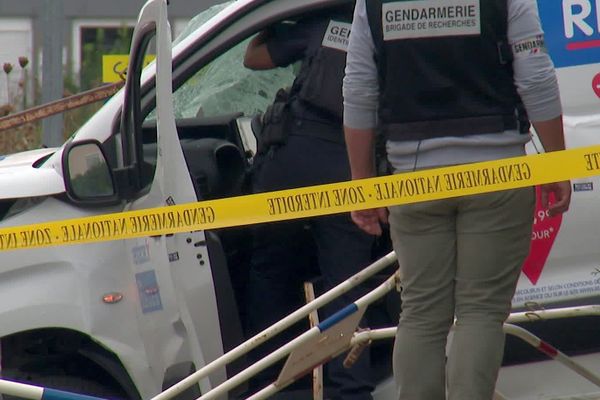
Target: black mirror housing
[{"x": 88, "y": 179}]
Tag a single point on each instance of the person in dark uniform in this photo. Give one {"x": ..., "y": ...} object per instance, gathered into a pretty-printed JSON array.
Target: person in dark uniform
[{"x": 307, "y": 149}]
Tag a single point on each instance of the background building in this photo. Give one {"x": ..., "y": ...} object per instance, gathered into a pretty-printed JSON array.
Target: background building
[{"x": 86, "y": 28}]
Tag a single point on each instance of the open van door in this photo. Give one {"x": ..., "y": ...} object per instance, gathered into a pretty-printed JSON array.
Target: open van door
[{"x": 172, "y": 272}]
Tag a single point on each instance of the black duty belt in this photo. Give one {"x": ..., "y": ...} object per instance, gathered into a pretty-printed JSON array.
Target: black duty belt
[{"x": 318, "y": 129}]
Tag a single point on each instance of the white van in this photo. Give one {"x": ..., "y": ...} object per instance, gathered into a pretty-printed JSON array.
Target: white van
[{"x": 128, "y": 318}]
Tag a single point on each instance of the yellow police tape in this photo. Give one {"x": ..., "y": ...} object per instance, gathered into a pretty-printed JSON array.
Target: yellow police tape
[{"x": 310, "y": 201}]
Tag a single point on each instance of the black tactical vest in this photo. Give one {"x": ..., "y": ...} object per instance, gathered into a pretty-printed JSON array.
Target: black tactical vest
[
  {"x": 445, "y": 68},
  {"x": 319, "y": 81}
]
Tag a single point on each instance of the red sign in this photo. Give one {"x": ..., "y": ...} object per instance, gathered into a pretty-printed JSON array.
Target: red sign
[
  {"x": 596, "y": 84},
  {"x": 545, "y": 229}
]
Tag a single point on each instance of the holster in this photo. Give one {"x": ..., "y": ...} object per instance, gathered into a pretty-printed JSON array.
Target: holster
[{"x": 275, "y": 123}]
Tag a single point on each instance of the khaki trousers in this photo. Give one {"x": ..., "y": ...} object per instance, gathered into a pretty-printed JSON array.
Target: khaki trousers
[{"x": 459, "y": 258}]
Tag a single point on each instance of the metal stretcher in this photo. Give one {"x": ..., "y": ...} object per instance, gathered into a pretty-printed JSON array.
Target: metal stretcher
[{"x": 324, "y": 341}]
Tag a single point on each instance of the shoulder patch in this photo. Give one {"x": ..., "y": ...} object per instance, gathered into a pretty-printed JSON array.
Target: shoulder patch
[
  {"x": 529, "y": 47},
  {"x": 337, "y": 35}
]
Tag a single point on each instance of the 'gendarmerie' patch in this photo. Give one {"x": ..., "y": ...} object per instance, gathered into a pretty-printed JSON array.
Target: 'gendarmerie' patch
[
  {"x": 337, "y": 35},
  {"x": 529, "y": 47},
  {"x": 430, "y": 18}
]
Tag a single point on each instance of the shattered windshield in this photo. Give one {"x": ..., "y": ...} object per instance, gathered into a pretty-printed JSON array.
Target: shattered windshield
[
  {"x": 200, "y": 19},
  {"x": 225, "y": 86}
]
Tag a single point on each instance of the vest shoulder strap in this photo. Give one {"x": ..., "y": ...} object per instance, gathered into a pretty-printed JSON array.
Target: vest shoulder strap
[
  {"x": 504, "y": 50},
  {"x": 374, "y": 17}
]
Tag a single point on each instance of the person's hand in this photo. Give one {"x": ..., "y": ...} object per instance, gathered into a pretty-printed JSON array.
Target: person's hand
[
  {"x": 370, "y": 220},
  {"x": 562, "y": 197}
]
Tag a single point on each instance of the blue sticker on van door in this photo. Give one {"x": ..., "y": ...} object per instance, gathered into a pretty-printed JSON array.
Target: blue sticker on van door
[
  {"x": 141, "y": 254},
  {"x": 572, "y": 30},
  {"x": 149, "y": 291}
]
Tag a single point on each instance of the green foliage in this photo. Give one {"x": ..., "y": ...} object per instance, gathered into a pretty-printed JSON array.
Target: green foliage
[
  {"x": 22, "y": 137},
  {"x": 99, "y": 42},
  {"x": 96, "y": 43}
]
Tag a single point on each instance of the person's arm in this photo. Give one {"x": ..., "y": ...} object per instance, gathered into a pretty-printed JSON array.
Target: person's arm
[
  {"x": 279, "y": 45},
  {"x": 552, "y": 138},
  {"x": 361, "y": 94},
  {"x": 257, "y": 54},
  {"x": 537, "y": 85},
  {"x": 360, "y": 145}
]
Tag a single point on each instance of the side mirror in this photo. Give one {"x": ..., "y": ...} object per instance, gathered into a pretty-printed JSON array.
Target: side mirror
[{"x": 87, "y": 175}]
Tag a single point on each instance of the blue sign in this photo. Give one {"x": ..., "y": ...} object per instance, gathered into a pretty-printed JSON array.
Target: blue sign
[
  {"x": 149, "y": 291},
  {"x": 571, "y": 29}
]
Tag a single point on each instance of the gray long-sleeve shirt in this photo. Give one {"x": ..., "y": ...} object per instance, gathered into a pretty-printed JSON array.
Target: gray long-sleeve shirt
[{"x": 534, "y": 78}]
